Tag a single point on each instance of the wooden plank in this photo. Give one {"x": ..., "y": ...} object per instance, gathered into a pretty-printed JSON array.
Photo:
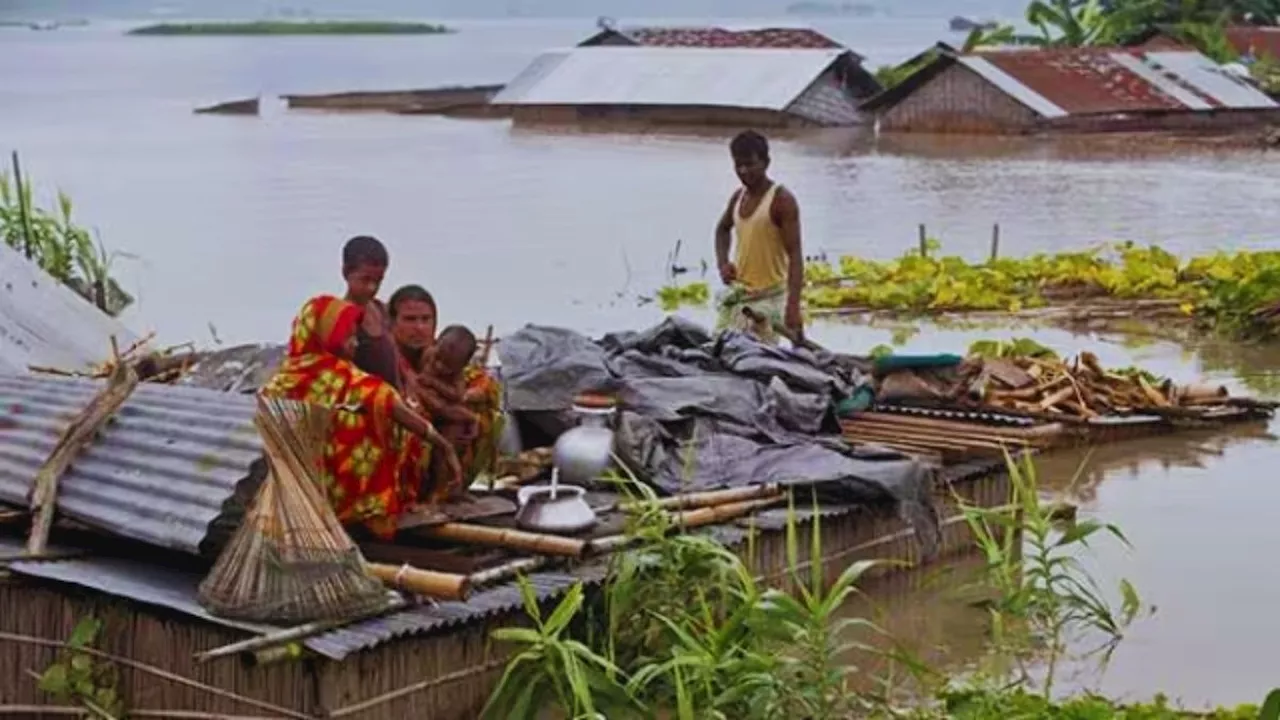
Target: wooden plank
[
  {"x": 79, "y": 433},
  {"x": 956, "y": 443},
  {"x": 1046, "y": 430},
  {"x": 439, "y": 560},
  {"x": 485, "y": 506},
  {"x": 967, "y": 434}
]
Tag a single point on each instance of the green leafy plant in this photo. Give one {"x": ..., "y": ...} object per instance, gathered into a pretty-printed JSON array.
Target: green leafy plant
[
  {"x": 551, "y": 668},
  {"x": 76, "y": 676},
  {"x": 60, "y": 246},
  {"x": 1044, "y": 599},
  {"x": 1234, "y": 293},
  {"x": 673, "y": 296}
]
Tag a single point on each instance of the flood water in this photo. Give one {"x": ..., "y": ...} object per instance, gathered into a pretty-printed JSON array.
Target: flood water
[{"x": 235, "y": 220}]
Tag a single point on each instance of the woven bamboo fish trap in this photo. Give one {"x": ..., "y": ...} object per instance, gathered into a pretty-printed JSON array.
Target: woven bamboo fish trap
[{"x": 291, "y": 561}]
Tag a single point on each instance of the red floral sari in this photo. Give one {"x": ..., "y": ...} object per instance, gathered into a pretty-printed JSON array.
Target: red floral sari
[{"x": 369, "y": 459}]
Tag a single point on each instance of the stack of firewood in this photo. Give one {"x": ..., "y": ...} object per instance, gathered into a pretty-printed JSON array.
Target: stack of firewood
[{"x": 1080, "y": 387}]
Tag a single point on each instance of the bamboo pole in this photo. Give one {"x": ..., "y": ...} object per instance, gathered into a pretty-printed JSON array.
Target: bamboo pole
[
  {"x": 690, "y": 519},
  {"x": 540, "y": 543},
  {"x": 294, "y": 633},
  {"x": 702, "y": 499},
  {"x": 24, "y": 210},
  {"x": 721, "y": 513},
  {"x": 79, "y": 433},
  {"x": 444, "y": 586},
  {"x": 153, "y": 671},
  {"x": 492, "y": 575}
]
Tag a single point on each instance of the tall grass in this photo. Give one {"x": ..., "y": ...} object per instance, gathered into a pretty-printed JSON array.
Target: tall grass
[
  {"x": 690, "y": 631},
  {"x": 60, "y": 246}
]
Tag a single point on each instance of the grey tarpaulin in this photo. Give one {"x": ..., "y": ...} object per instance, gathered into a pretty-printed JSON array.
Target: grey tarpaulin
[{"x": 702, "y": 412}]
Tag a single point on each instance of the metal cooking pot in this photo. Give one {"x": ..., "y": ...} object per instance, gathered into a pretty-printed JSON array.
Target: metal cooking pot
[{"x": 583, "y": 453}]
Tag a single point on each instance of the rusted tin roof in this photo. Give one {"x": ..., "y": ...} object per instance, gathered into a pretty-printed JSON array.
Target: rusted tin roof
[
  {"x": 165, "y": 471},
  {"x": 716, "y": 37},
  {"x": 1256, "y": 41},
  {"x": 44, "y": 323},
  {"x": 1060, "y": 82}
]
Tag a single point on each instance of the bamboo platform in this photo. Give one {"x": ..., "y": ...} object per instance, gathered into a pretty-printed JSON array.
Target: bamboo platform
[{"x": 941, "y": 435}]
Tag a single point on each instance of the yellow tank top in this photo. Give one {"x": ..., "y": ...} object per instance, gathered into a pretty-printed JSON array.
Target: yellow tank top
[{"x": 761, "y": 257}]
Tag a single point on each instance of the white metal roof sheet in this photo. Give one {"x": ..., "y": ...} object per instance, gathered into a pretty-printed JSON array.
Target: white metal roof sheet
[
  {"x": 1209, "y": 78},
  {"x": 44, "y": 323},
  {"x": 749, "y": 78},
  {"x": 1013, "y": 87},
  {"x": 1168, "y": 85}
]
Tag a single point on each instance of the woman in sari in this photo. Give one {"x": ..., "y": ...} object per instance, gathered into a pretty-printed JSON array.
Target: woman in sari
[{"x": 378, "y": 444}]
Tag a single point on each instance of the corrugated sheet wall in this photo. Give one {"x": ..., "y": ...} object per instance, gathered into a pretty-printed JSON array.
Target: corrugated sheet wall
[
  {"x": 826, "y": 102},
  {"x": 44, "y": 323},
  {"x": 958, "y": 100},
  {"x": 165, "y": 471}
]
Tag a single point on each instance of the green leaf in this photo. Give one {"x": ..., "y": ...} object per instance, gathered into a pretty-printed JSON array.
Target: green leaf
[
  {"x": 1271, "y": 706},
  {"x": 54, "y": 680},
  {"x": 84, "y": 632}
]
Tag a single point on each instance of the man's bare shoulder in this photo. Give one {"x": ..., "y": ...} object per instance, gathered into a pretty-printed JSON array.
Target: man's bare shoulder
[{"x": 784, "y": 203}]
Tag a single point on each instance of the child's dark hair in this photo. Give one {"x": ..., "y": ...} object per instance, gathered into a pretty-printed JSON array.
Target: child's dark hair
[
  {"x": 749, "y": 143},
  {"x": 363, "y": 251},
  {"x": 462, "y": 335}
]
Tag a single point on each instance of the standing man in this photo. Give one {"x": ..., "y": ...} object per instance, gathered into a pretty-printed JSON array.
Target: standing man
[
  {"x": 766, "y": 275},
  {"x": 364, "y": 264}
]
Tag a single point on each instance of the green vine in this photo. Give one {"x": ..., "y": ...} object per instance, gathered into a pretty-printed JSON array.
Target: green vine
[{"x": 78, "y": 677}]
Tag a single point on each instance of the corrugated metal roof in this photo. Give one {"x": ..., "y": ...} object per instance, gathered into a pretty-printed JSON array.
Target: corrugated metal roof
[
  {"x": 1115, "y": 80},
  {"x": 148, "y": 584},
  {"x": 44, "y": 323},
  {"x": 1208, "y": 78},
  {"x": 1013, "y": 87},
  {"x": 162, "y": 472},
  {"x": 434, "y": 617},
  {"x": 1169, "y": 85},
  {"x": 757, "y": 78}
]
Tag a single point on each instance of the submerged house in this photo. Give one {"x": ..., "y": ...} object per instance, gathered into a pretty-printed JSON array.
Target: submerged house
[
  {"x": 766, "y": 87},
  {"x": 1076, "y": 89},
  {"x": 1257, "y": 41}
]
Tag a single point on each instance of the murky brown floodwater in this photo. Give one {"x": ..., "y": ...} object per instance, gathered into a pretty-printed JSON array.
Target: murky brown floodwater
[{"x": 238, "y": 219}]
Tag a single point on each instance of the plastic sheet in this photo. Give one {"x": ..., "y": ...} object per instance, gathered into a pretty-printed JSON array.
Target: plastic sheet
[{"x": 702, "y": 412}]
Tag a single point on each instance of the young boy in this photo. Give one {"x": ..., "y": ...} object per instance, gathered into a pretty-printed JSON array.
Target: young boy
[{"x": 364, "y": 264}]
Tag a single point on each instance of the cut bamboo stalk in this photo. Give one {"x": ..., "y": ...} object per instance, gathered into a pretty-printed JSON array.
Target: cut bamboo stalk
[
  {"x": 721, "y": 513},
  {"x": 519, "y": 540},
  {"x": 443, "y": 586},
  {"x": 482, "y": 578},
  {"x": 79, "y": 433},
  {"x": 703, "y": 499},
  {"x": 690, "y": 519},
  {"x": 284, "y": 637}
]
